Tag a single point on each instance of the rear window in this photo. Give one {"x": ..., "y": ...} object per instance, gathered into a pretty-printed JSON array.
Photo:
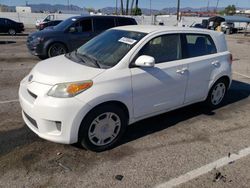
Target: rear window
[
  {"x": 102, "y": 24},
  {"x": 125, "y": 21},
  {"x": 199, "y": 45}
]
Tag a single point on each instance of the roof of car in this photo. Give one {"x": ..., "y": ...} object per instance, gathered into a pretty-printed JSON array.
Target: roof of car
[
  {"x": 100, "y": 16},
  {"x": 158, "y": 28}
]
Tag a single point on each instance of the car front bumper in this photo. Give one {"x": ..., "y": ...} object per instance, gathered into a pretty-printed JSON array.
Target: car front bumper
[
  {"x": 36, "y": 49},
  {"x": 54, "y": 119}
]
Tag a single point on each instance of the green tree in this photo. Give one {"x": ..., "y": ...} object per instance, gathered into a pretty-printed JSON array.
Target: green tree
[
  {"x": 230, "y": 10},
  {"x": 136, "y": 11},
  {"x": 90, "y": 9}
]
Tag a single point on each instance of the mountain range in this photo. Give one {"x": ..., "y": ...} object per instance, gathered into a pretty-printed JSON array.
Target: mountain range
[{"x": 109, "y": 10}]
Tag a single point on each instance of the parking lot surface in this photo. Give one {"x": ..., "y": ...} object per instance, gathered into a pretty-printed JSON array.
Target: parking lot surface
[{"x": 153, "y": 152}]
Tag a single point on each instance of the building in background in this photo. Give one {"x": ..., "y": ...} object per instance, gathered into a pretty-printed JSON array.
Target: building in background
[
  {"x": 24, "y": 9},
  {"x": 3, "y": 8}
]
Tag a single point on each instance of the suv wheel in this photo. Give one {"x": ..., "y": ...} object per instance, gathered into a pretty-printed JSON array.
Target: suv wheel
[
  {"x": 102, "y": 128},
  {"x": 217, "y": 93},
  {"x": 12, "y": 31},
  {"x": 56, "y": 49}
]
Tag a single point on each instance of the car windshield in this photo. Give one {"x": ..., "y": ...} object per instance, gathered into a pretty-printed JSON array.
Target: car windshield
[
  {"x": 110, "y": 47},
  {"x": 65, "y": 24}
]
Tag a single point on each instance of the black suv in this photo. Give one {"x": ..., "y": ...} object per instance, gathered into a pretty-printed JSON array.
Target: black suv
[
  {"x": 71, "y": 34},
  {"x": 10, "y": 26}
]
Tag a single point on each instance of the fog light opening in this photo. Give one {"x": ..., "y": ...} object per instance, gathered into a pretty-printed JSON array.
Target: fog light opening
[{"x": 58, "y": 125}]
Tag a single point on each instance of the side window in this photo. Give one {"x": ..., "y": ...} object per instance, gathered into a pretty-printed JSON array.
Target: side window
[
  {"x": 102, "y": 24},
  {"x": 199, "y": 45},
  {"x": 125, "y": 21},
  {"x": 163, "y": 48},
  {"x": 84, "y": 26}
]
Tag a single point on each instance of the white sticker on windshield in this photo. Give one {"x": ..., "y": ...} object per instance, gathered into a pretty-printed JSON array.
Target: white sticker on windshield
[
  {"x": 127, "y": 40},
  {"x": 73, "y": 19}
]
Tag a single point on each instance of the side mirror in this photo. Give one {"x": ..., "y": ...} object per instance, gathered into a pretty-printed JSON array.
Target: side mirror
[
  {"x": 145, "y": 61},
  {"x": 72, "y": 29}
]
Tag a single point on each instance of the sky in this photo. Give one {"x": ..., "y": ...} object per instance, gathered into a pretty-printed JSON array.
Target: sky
[{"x": 156, "y": 4}]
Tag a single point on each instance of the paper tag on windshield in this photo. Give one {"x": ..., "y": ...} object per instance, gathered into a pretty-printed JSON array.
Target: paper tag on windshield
[{"x": 127, "y": 40}]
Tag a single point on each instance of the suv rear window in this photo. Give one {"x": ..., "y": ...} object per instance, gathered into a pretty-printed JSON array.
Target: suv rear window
[
  {"x": 125, "y": 21},
  {"x": 199, "y": 45},
  {"x": 102, "y": 24}
]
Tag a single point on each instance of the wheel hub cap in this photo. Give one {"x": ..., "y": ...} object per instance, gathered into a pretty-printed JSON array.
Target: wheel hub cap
[
  {"x": 104, "y": 129},
  {"x": 218, "y": 93}
]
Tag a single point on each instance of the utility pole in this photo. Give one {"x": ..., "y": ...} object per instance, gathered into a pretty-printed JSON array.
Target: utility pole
[
  {"x": 217, "y": 5},
  {"x": 178, "y": 10},
  {"x": 150, "y": 7},
  {"x": 208, "y": 3}
]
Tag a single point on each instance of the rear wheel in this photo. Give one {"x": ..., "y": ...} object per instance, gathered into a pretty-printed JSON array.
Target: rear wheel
[
  {"x": 56, "y": 49},
  {"x": 12, "y": 31},
  {"x": 217, "y": 93},
  {"x": 102, "y": 128}
]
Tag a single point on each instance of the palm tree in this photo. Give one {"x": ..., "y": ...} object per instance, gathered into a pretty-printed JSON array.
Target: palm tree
[
  {"x": 127, "y": 7},
  {"x": 136, "y": 4},
  {"x": 132, "y": 6},
  {"x": 121, "y": 7},
  {"x": 136, "y": 7}
]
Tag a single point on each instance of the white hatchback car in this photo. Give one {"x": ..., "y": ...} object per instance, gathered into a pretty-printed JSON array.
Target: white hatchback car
[{"x": 122, "y": 76}]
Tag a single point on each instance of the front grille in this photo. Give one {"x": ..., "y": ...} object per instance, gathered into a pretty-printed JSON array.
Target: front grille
[
  {"x": 32, "y": 94},
  {"x": 31, "y": 120}
]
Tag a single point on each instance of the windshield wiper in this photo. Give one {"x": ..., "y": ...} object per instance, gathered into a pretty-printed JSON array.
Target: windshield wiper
[{"x": 92, "y": 59}]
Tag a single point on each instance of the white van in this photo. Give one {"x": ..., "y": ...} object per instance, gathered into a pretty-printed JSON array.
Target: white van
[{"x": 52, "y": 17}]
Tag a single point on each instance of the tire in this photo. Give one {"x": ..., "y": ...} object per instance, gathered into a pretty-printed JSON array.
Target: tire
[
  {"x": 56, "y": 49},
  {"x": 97, "y": 135},
  {"x": 217, "y": 93},
  {"x": 12, "y": 31}
]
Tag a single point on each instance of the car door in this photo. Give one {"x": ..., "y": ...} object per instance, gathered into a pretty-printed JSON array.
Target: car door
[
  {"x": 82, "y": 33},
  {"x": 102, "y": 23},
  {"x": 200, "y": 53},
  {"x": 163, "y": 86}
]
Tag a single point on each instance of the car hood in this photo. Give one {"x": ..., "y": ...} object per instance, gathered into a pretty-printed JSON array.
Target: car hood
[
  {"x": 60, "y": 70},
  {"x": 45, "y": 33}
]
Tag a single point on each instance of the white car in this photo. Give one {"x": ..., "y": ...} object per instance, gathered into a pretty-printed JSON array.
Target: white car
[{"x": 124, "y": 75}]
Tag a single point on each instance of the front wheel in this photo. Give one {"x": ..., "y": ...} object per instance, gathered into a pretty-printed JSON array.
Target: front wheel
[
  {"x": 56, "y": 49},
  {"x": 217, "y": 93},
  {"x": 102, "y": 128}
]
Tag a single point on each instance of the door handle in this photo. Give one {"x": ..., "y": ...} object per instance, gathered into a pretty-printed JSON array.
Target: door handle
[
  {"x": 216, "y": 63},
  {"x": 182, "y": 71}
]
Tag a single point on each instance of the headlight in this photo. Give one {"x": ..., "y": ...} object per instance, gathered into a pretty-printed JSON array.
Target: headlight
[
  {"x": 38, "y": 40},
  {"x": 65, "y": 90}
]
